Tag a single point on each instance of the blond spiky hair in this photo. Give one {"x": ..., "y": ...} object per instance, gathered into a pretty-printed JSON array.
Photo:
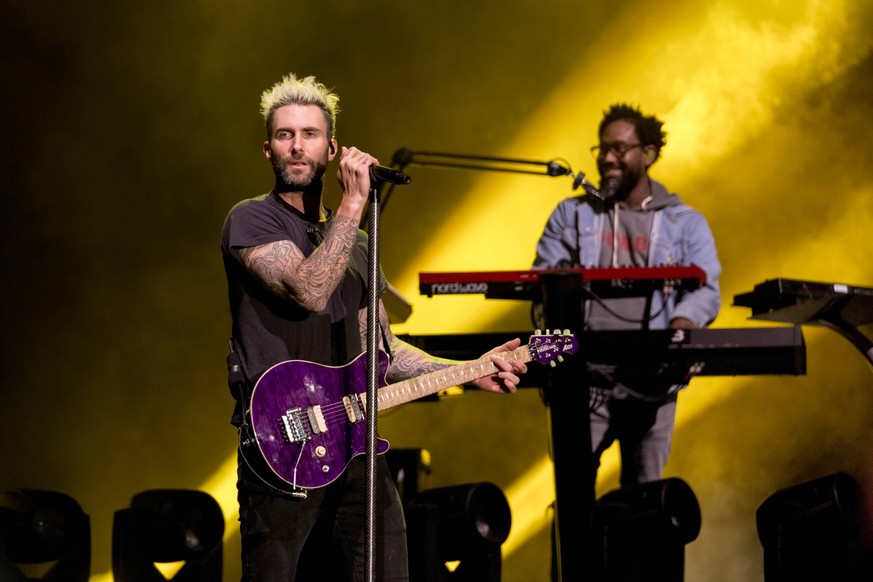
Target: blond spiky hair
[{"x": 293, "y": 91}]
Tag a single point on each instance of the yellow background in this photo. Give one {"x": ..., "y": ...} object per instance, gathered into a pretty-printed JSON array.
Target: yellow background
[{"x": 129, "y": 129}]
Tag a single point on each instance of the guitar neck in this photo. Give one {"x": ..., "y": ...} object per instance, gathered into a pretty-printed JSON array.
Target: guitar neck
[{"x": 431, "y": 383}]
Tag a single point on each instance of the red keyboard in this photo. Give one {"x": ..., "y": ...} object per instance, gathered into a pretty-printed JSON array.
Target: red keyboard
[{"x": 602, "y": 282}]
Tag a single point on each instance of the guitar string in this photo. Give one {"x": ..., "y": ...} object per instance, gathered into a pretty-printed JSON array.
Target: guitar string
[
  {"x": 419, "y": 385},
  {"x": 332, "y": 412},
  {"x": 422, "y": 385},
  {"x": 337, "y": 410}
]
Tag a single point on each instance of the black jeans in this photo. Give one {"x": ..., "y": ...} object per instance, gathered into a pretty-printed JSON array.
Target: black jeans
[{"x": 322, "y": 537}]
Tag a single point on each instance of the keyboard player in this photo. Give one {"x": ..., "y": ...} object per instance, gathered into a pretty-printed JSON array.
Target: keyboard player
[{"x": 632, "y": 221}]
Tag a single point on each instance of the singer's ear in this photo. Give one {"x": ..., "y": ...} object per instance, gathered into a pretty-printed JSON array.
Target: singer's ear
[{"x": 331, "y": 148}]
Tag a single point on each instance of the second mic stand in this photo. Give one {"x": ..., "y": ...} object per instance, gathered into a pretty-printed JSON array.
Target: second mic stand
[{"x": 554, "y": 168}]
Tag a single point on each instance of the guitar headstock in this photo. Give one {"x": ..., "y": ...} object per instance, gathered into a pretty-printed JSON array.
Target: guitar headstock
[{"x": 548, "y": 348}]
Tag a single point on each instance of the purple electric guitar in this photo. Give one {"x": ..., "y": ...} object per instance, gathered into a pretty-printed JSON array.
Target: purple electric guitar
[{"x": 308, "y": 419}]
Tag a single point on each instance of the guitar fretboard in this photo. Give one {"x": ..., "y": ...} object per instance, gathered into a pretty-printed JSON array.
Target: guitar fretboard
[{"x": 431, "y": 383}]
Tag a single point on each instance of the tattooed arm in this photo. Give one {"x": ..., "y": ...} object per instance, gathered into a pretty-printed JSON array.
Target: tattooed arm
[
  {"x": 409, "y": 361},
  {"x": 309, "y": 281}
]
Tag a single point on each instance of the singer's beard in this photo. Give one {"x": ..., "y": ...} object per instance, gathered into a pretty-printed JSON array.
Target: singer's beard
[{"x": 287, "y": 180}]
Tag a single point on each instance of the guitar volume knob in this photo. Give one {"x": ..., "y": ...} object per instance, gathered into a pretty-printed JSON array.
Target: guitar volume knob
[{"x": 320, "y": 451}]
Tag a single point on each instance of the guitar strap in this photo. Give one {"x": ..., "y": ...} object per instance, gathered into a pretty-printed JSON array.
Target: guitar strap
[
  {"x": 385, "y": 344},
  {"x": 236, "y": 379}
]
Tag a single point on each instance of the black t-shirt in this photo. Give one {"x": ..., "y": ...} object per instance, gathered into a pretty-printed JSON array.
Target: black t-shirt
[{"x": 268, "y": 330}]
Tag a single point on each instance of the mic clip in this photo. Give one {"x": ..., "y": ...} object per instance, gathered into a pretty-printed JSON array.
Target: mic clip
[{"x": 579, "y": 180}]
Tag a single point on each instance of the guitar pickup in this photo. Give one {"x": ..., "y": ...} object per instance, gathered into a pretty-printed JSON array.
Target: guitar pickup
[
  {"x": 293, "y": 428},
  {"x": 353, "y": 408},
  {"x": 316, "y": 420}
]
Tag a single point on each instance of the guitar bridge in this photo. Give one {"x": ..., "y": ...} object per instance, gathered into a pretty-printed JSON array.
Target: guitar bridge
[{"x": 293, "y": 426}]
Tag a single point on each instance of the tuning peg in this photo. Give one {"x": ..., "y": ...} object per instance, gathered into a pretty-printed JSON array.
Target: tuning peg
[
  {"x": 560, "y": 358},
  {"x": 552, "y": 363}
]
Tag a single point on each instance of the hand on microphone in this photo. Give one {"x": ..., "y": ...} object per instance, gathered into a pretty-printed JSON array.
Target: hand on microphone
[
  {"x": 353, "y": 174},
  {"x": 358, "y": 172}
]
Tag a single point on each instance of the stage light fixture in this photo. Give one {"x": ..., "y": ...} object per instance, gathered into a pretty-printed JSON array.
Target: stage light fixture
[
  {"x": 462, "y": 523},
  {"x": 810, "y": 531},
  {"x": 44, "y": 535},
  {"x": 640, "y": 532},
  {"x": 164, "y": 526}
]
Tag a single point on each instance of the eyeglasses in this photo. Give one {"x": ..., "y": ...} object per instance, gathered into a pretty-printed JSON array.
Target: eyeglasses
[{"x": 618, "y": 149}]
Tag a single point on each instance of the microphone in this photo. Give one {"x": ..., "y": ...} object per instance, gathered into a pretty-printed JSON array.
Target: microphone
[
  {"x": 609, "y": 187},
  {"x": 385, "y": 174},
  {"x": 580, "y": 180}
]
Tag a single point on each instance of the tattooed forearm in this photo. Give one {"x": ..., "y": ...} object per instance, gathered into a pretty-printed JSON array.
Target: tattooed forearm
[
  {"x": 308, "y": 281},
  {"x": 408, "y": 361},
  {"x": 341, "y": 236},
  {"x": 319, "y": 275}
]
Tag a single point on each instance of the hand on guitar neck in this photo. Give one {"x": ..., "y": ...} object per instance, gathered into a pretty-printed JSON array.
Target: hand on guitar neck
[{"x": 503, "y": 379}]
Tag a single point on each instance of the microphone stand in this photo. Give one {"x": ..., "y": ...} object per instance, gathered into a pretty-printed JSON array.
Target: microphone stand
[
  {"x": 406, "y": 157},
  {"x": 372, "y": 372},
  {"x": 372, "y": 405}
]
